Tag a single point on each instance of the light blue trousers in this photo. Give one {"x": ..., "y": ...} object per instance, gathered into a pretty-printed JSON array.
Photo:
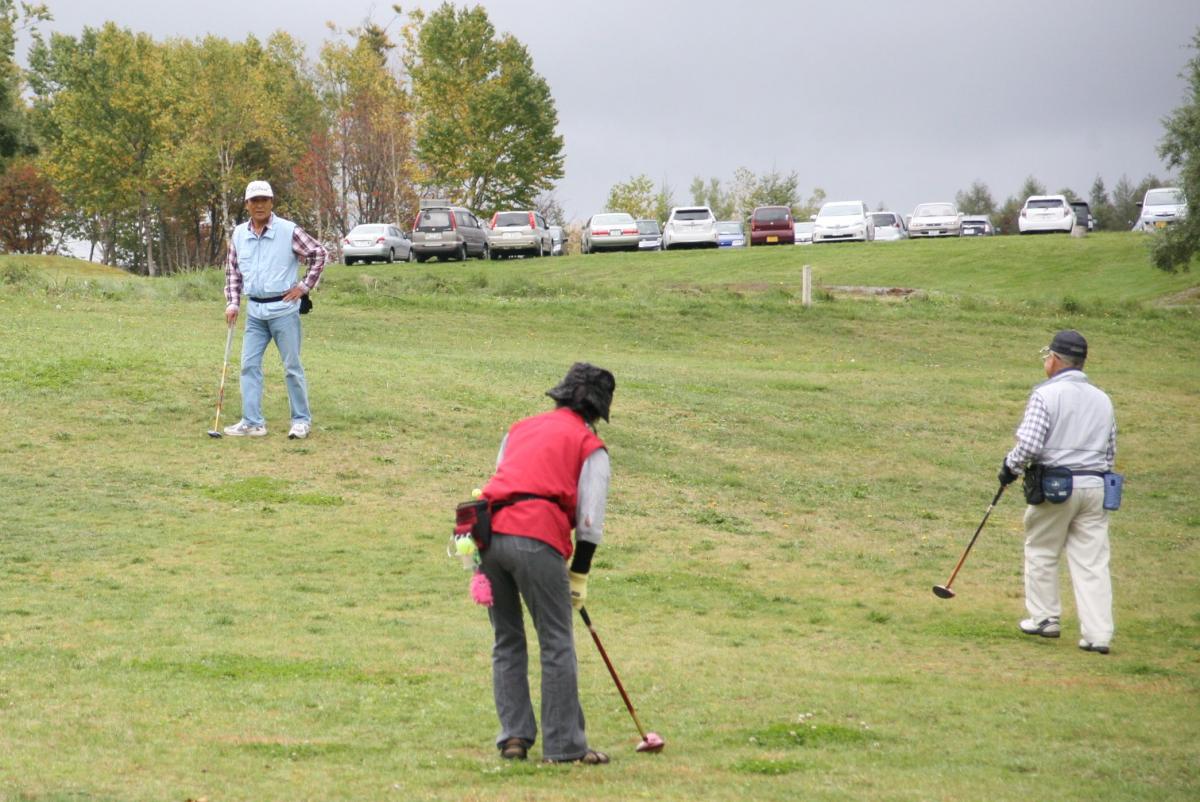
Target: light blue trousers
[{"x": 285, "y": 331}]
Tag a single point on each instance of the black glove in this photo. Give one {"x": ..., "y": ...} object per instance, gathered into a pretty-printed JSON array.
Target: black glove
[{"x": 1007, "y": 477}]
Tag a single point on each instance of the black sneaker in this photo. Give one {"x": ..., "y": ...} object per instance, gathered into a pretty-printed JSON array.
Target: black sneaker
[{"x": 1099, "y": 648}]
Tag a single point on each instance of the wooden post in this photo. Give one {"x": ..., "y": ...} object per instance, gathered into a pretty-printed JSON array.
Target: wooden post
[{"x": 806, "y": 291}]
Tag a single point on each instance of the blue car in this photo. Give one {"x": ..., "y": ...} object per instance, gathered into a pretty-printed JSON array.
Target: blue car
[{"x": 730, "y": 234}]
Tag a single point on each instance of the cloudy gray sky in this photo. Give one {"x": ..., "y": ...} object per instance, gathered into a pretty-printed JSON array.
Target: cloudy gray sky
[{"x": 892, "y": 102}]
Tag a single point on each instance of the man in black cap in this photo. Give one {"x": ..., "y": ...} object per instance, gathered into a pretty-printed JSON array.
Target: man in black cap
[
  {"x": 1068, "y": 435},
  {"x": 551, "y": 478}
]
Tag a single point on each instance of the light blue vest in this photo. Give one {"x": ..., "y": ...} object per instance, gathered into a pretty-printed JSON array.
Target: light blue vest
[
  {"x": 269, "y": 267},
  {"x": 1081, "y": 419}
]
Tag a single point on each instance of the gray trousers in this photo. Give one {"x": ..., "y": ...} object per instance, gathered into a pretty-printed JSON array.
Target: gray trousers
[{"x": 524, "y": 568}]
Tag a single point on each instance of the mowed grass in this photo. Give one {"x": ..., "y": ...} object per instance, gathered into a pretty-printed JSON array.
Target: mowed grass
[{"x": 186, "y": 618}]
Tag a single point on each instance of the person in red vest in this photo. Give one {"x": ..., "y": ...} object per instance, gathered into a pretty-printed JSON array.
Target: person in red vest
[{"x": 551, "y": 478}]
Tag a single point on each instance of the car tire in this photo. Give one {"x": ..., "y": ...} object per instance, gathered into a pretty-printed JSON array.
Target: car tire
[
  {"x": 486, "y": 253},
  {"x": 347, "y": 261},
  {"x": 391, "y": 257},
  {"x": 461, "y": 253},
  {"x": 412, "y": 256},
  {"x": 420, "y": 257}
]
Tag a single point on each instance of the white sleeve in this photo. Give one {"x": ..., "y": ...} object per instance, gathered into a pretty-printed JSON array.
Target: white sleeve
[{"x": 593, "y": 497}]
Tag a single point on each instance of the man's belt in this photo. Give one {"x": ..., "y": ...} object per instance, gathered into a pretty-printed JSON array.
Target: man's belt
[
  {"x": 1088, "y": 473},
  {"x": 270, "y": 299}
]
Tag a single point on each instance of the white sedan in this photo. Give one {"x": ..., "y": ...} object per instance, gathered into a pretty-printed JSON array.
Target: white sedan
[{"x": 935, "y": 220}]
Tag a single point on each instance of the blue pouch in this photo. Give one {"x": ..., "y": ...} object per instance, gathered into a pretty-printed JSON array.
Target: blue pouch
[{"x": 1114, "y": 483}]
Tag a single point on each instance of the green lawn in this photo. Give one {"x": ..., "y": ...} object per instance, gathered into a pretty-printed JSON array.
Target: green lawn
[{"x": 186, "y": 618}]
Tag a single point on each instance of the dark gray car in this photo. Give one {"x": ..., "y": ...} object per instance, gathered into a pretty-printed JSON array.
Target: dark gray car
[{"x": 448, "y": 232}]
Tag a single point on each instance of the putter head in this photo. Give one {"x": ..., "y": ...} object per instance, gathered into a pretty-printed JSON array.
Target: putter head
[
  {"x": 943, "y": 592},
  {"x": 653, "y": 742},
  {"x": 214, "y": 434}
]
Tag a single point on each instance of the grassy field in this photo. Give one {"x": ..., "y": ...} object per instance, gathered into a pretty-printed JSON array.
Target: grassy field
[{"x": 184, "y": 618}]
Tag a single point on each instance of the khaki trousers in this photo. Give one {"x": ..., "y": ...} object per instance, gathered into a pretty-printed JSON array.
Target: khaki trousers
[{"x": 1080, "y": 524}]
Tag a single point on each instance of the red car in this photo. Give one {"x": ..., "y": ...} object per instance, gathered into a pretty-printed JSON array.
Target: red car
[{"x": 772, "y": 225}]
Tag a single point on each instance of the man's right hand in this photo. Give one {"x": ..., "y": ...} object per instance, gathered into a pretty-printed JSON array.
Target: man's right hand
[
  {"x": 231, "y": 313},
  {"x": 1007, "y": 477}
]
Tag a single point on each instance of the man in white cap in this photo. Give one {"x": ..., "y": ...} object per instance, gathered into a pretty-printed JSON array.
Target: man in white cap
[
  {"x": 264, "y": 256},
  {"x": 1069, "y": 433}
]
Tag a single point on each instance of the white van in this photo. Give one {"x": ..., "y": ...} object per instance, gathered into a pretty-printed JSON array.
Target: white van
[{"x": 1160, "y": 207}]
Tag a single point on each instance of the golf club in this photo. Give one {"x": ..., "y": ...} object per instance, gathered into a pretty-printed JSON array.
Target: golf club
[
  {"x": 943, "y": 591},
  {"x": 215, "y": 431},
  {"x": 651, "y": 741}
]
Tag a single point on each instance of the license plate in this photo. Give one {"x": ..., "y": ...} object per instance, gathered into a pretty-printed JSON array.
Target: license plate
[
  {"x": 1160, "y": 224},
  {"x": 772, "y": 239},
  {"x": 511, "y": 235},
  {"x": 433, "y": 236},
  {"x": 614, "y": 232}
]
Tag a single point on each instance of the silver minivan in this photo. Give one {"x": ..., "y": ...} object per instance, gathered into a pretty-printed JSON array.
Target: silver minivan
[
  {"x": 448, "y": 232},
  {"x": 519, "y": 233}
]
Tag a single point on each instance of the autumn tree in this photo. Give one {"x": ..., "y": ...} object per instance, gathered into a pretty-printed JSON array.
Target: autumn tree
[
  {"x": 976, "y": 199},
  {"x": 485, "y": 120},
  {"x": 28, "y": 205},
  {"x": 635, "y": 196}
]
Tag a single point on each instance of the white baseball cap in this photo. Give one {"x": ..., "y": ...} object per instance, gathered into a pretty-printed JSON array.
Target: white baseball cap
[{"x": 259, "y": 189}]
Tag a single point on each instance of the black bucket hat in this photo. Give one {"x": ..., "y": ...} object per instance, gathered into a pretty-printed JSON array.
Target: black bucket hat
[
  {"x": 587, "y": 390},
  {"x": 1069, "y": 342}
]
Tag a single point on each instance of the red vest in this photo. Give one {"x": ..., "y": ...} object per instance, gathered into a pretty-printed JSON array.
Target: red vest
[{"x": 543, "y": 456}]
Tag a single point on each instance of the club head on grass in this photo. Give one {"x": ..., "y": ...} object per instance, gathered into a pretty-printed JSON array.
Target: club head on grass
[
  {"x": 214, "y": 434},
  {"x": 943, "y": 592},
  {"x": 653, "y": 742}
]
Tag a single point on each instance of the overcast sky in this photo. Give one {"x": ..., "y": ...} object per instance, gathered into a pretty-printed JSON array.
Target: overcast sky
[{"x": 894, "y": 103}]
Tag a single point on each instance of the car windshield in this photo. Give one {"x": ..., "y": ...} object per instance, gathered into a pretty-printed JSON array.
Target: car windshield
[
  {"x": 771, "y": 215},
  {"x": 935, "y": 210},
  {"x": 886, "y": 219},
  {"x": 804, "y": 228},
  {"x": 840, "y": 210},
  {"x": 1046, "y": 203},
  {"x": 616, "y": 218},
  {"x": 362, "y": 231},
  {"x": 725, "y": 227},
  {"x": 693, "y": 214},
  {"x": 647, "y": 226},
  {"x": 434, "y": 218},
  {"x": 1163, "y": 197},
  {"x": 512, "y": 219}
]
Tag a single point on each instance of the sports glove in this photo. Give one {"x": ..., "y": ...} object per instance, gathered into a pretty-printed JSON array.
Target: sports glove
[
  {"x": 1007, "y": 477},
  {"x": 578, "y": 588}
]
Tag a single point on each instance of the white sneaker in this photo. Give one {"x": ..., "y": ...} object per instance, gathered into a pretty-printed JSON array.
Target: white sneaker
[
  {"x": 1102, "y": 648},
  {"x": 243, "y": 429},
  {"x": 1047, "y": 627},
  {"x": 299, "y": 430}
]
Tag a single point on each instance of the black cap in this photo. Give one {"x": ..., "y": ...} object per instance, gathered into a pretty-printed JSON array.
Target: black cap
[
  {"x": 1069, "y": 342},
  {"x": 586, "y": 389}
]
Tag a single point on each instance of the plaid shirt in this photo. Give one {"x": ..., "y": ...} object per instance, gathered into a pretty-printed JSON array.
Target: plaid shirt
[
  {"x": 1031, "y": 436},
  {"x": 304, "y": 246}
]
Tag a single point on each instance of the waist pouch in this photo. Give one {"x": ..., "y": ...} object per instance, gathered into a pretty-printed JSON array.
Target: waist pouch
[
  {"x": 475, "y": 517},
  {"x": 1046, "y": 483},
  {"x": 305, "y": 302},
  {"x": 1114, "y": 483}
]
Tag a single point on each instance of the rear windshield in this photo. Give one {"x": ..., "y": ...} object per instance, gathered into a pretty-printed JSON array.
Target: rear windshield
[
  {"x": 616, "y": 218},
  {"x": 888, "y": 219},
  {"x": 935, "y": 210},
  {"x": 771, "y": 214},
  {"x": 1046, "y": 203},
  {"x": 840, "y": 210},
  {"x": 693, "y": 214},
  {"x": 433, "y": 219},
  {"x": 363, "y": 230},
  {"x": 729, "y": 228},
  {"x": 512, "y": 219},
  {"x": 804, "y": 228},
  {"x": 648, "y": 226},
  {"x": 1163, "y": 197}
]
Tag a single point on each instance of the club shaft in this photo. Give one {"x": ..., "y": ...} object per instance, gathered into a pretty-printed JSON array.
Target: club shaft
[
  {"x": 224, "y": 370},
  {"x": 599, "y": 646},
  {"x": 974, "y": 537}
]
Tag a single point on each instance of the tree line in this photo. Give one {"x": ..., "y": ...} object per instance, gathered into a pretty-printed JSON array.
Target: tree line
[{"x": 143, "y": 147}]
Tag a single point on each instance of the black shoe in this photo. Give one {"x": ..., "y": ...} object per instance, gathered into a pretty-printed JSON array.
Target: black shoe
[{"x": 1099, "y": 648}]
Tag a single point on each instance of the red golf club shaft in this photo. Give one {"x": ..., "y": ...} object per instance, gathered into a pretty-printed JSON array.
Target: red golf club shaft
[
  {"x": 979, "y": 529},
  {"x": 612, "y": 671}
]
